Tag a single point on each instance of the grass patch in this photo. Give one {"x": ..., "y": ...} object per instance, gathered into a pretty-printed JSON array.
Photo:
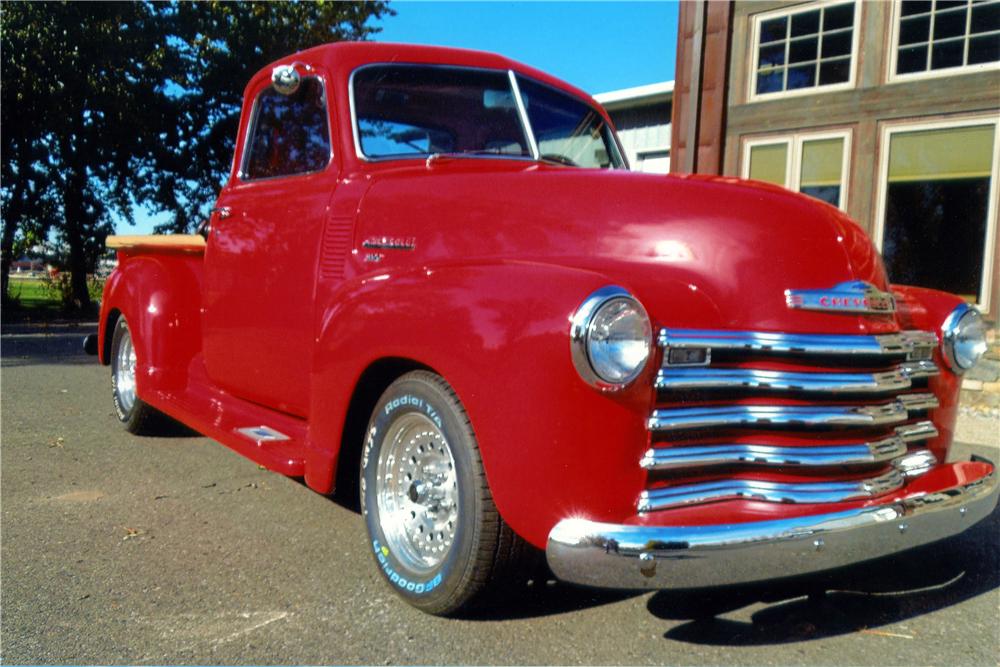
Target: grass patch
[{"x": 34, "y": 293}]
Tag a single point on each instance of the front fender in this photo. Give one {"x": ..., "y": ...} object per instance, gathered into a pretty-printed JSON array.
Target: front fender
[
  {"x": 926, "y": 309},
  {"x": 499, "y": 334},
  {"x": 160, "y": 298}
]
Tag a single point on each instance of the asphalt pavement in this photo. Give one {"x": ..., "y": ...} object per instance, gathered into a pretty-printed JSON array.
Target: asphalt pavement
[{"x": 120, "y": 549}]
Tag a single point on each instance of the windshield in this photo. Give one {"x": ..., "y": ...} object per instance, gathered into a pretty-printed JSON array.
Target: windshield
[{"x": 416, "y": 110}]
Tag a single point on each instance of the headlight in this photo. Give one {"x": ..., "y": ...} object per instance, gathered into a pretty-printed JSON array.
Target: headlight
[
  {"x": 610, "y": 338},
  {"x": 963, "y": 338}
]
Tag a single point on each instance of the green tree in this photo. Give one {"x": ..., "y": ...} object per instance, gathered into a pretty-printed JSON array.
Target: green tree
[
  {"x": 107, "y": 105},
  {"x": 221, "y": 46}
]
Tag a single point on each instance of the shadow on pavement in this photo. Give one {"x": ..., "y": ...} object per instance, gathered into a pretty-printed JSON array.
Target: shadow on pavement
[
  {"x": 45, "y": 344},
  {"x": 864, "y": 596}
]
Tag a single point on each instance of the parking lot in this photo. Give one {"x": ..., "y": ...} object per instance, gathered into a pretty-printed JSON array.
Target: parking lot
[{"x": 119, "y": 549}]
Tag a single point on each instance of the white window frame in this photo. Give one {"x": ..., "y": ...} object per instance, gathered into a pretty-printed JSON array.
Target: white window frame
[
  {"x": 902, "y": 127},
  {"x": 754, "y": 59},
  {"x": 793, "y": 163},
  {"x": 892, "y": 77}
]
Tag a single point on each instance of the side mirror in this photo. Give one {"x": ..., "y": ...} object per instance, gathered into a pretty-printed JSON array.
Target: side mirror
[{"x": 285, "y": 79}]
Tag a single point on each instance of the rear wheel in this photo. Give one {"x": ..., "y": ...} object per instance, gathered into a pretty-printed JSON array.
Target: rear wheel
[
  {"x": 433, "y": 528},
  {"x": 137, "y": 415}
]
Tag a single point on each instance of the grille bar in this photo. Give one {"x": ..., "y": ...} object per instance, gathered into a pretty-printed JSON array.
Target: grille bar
[
  {"x": 705, "y": 378},
  {"x": 911, "y": 344},
  {"x": 776, "y": 492},
  {"x": 806, "y": 416},
  {"x": 762, "y": 455}
]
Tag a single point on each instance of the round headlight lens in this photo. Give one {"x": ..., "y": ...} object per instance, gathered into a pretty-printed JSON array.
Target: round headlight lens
[
  {"x": 963, "y": 338},
  {"x": 618, "y": 340},
  {"x": 610, "y": 338}
]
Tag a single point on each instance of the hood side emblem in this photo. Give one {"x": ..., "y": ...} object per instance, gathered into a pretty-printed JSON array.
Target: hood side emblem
[{"x": 855, "y": 296}]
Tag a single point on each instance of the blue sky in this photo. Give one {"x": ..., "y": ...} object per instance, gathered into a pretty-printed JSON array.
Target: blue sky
[{"x": 596, "y": 46}]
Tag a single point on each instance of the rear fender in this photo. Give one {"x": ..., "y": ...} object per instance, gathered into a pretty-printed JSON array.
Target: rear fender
[{"x": 160, "y": 298}]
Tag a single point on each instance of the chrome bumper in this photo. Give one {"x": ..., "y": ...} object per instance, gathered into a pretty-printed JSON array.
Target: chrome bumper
[{"x": 646, "y": 557}]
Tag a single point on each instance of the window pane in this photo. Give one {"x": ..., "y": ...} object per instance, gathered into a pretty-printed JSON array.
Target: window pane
[
  {"x": 984, "y": 49},
  {"x": 911, "y": 7},
  {"x": 567, "y": 130},
  {"x": 768, "y": 163},
  {"x": 828, "y": 193},
  {"x": 985, "y": 18},
  {"x": 948, "y": 153},
  {"x": 290, "y": 132},
  {"x": 914, "y": 30},
  {"x": 412, "y": 110},
  {"x": 838, "y": 44},
  {"x": 839, "y": 16},
  {"x": 773, "y": 29},
  {"x": 949, "y": 24},
  {"x": 837, "y": 71},
  {"x": 770, "y": 81},
  {"x": 912, "y": 59},
  {"x": 801, "y": 77},
  {"x": 947, "y": 54},
  {"x": 772, "y": 55},
  {"x": 797, "y": 39},
  {"x": 934, "y": 233},
  {"x": 805, "y": 23},
  {"x": 384, "y": 138},
  {"x": 802, "y": 50},
  {"x": 821, "y": 161}
]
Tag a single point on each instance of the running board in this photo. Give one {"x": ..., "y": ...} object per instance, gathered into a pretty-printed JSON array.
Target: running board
[{"x": 278, "y": 442}]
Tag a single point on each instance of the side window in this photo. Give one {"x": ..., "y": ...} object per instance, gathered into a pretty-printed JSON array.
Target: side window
[{"x": 290, "y": 134}]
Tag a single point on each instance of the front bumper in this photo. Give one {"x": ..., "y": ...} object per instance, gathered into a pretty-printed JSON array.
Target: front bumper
[{"x": 648, "y": 557}]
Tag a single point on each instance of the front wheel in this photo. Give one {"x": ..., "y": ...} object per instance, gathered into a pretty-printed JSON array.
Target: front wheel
[
  {"x": 138, "y": 416},
  {"x": 433, "y": 528}
]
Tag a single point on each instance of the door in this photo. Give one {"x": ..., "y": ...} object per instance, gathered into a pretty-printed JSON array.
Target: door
[{"x": 260, "y": 263}]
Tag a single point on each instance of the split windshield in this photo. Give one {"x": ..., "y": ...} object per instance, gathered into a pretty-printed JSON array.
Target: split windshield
[{"x": 415, "y": 111}]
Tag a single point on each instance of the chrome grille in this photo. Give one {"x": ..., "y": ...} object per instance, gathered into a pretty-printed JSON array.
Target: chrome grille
[{"x": 842, "y": 417}]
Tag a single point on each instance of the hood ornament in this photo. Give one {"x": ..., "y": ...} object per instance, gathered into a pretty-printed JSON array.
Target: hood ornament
[{"x": 855, "y": 296}]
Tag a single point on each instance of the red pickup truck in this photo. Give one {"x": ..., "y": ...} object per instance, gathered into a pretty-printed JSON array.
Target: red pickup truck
[{"x": 431, "y": 277}]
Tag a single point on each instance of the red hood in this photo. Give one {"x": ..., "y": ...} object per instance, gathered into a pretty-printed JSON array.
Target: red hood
[{"x": 698, "y": 251}]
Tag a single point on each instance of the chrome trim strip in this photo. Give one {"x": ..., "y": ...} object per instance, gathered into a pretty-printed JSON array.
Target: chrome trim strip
[
  {"x": 694, "y": 378},
  {"x": 628, "y": 556},
  {"x": 916, "y": 463},
  {"x": 761, "y": 455},
  {"x": 904, "y": 343},
  {"x": 773, "y": 492},
  {"x": 522, "y": 111},
  {"x": 920, "y": 369},
  {"x": 914, "y": 402},
  {"x": 809, "y": 416},
  {"x": 917, "y": 431},
  {"x": 775, "y": 415}
]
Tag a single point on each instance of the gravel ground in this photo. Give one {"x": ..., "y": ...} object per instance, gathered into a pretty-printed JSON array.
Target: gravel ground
[{"x": 118, "y": 549}]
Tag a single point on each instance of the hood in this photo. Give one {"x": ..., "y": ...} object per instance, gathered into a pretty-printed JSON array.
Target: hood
[{"x": 699, "y": 252}]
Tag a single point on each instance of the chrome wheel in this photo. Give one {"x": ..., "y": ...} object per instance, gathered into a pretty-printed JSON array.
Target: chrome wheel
[
  {"x": 416, "y": 491},
  {"x": 124, "y": 373}
]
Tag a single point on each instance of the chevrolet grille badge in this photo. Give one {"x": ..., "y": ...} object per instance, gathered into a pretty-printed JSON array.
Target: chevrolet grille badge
[{"x": 855, "y": 296}]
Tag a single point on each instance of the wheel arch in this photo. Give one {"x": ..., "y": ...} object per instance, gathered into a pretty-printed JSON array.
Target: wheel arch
[{"x": 368, "y": 388}]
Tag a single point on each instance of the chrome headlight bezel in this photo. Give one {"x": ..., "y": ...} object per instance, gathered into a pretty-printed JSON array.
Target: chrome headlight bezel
[
  {"x": 954, "y": 335},
  {"x": 581, "y": 330}
]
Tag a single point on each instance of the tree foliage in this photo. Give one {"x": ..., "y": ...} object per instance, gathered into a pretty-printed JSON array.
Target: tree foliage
[{"x": 114, "y": 104}]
